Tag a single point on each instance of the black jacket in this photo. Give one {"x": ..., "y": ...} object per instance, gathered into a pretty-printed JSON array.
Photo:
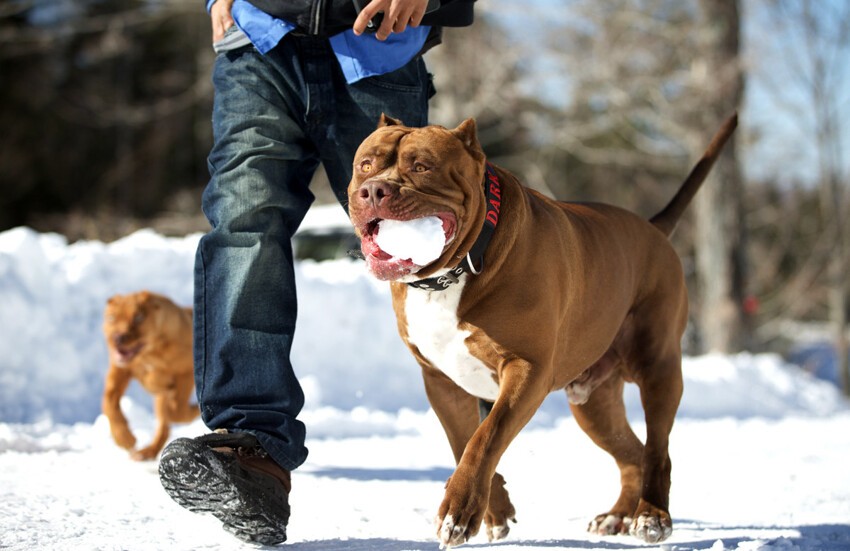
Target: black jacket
[{"x": 329, "y": 17}]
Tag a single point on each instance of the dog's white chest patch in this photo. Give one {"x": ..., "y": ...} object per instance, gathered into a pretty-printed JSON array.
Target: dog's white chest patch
[{"x": 432, "y": 325}]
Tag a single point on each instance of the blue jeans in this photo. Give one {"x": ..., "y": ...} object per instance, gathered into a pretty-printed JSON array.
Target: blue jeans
[{"x": 275, "y": 118}]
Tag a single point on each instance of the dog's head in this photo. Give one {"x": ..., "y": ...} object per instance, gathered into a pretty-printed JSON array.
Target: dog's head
[
  {"x": 132, "y": 322},
  {"x": 427, "y": 177}
]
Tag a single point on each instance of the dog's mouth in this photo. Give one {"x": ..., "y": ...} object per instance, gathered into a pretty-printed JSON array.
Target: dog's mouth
[
  {"x": 122, "y": 355},
  {"x": 397, "y": 248}
]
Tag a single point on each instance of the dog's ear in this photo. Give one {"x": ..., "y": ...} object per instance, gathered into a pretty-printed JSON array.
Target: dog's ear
[
  {"x": 148, "y": 301},
  {"x": 386, "y": 120},
  {"x": 467, "y": 133}
]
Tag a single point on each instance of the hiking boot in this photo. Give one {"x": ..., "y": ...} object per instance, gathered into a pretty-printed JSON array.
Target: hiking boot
[{"x": 231, "y": 477}]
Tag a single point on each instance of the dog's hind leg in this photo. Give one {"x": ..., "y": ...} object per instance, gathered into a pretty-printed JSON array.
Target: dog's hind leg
[
  {"x": 171, "y": 406},
  {"x": 655, "y": 364},
  {"x": 178, "y": 407},
  {"x": 660, "y": 390},
  {"x": 603, "y": 417}
]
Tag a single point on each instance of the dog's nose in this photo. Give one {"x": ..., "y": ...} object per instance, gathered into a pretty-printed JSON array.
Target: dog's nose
[
  {"x": 121, "y": 338},
  {"x": 375, "y": 193}
]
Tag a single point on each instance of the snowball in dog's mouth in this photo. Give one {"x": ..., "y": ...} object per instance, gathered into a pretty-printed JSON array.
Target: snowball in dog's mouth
[
  {"x": 421, "y": 240},
  {"x": 395, "y": 248}
]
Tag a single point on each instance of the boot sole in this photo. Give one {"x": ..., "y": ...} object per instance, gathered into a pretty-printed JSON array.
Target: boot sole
[{"x": 249, "y": 504}]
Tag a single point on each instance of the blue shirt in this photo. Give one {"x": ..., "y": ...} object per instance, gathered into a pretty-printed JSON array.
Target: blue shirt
[{"x": 359, "y": 56}]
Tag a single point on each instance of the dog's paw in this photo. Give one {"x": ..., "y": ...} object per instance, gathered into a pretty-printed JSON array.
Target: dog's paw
[
  {"x": 500, "y": 510},
  {"x": 451, "y": 533},
  {"x": 497, "y": 532},
  {"x": 144, "y": 454},
  {"x": 464, "y": 506},
  {"x": 652, "y": 528},
  {"x": 609, "y": 524}
]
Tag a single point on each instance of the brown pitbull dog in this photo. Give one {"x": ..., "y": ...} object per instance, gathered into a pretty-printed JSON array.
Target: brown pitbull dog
[
  {"x": 150, "y": 339},
  {"x": 528, "y": 296}
]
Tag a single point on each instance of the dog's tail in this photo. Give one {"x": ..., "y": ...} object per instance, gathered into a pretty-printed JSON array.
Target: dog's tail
[{"x": 668, "y": 218}]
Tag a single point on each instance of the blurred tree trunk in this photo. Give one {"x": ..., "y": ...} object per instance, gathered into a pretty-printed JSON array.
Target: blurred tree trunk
[
  {"x": 720, "y": 240},
  {"x": 665, "y": 75}
]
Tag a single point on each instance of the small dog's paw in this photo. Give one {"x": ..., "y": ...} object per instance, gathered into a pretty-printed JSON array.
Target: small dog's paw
[{"x": 144, "y": 454}]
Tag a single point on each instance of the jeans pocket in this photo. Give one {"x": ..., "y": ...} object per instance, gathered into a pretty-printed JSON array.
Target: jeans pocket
[
  {"x": 402, "y": 94},
  {"x": 407, "y": 79}
]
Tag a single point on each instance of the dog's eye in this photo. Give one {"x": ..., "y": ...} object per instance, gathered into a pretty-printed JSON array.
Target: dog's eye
[
  {"x": 419, "y": 167},
  {"x": 139, "y": 318},
  {"x": 366, "y": 166}
]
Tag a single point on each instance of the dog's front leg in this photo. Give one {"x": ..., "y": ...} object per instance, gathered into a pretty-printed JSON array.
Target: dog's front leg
[
  {"x": 457, "y": 411},
  {"x": 521, "y": 391},
  {"x": 117, "y": 380},
  {"x": 160, "y": 437}
]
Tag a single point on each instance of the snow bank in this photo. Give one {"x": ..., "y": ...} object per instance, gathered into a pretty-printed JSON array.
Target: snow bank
[
  {"x": 53, "y": 356},
  {"x": 378, "y": 457},
  {"x": 347, "y": 353}
]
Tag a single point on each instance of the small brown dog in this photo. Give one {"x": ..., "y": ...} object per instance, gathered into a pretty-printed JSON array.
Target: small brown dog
[{"x": 150, "y": 339}]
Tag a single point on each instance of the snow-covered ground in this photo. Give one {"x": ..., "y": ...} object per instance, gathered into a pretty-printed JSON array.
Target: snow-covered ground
[{"x": 760, "y": 448}]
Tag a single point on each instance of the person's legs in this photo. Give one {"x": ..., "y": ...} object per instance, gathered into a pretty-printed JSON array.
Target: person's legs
[
  {"x": 245, "y": 306},
  {"x": 272, "y": 116},
  {"x": 245, "y": 303}
]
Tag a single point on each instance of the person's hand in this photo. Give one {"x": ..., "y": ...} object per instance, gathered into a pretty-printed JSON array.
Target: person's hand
[
  {"x": 398, "y": 15},
  {"x": 221, "y": 18}
]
